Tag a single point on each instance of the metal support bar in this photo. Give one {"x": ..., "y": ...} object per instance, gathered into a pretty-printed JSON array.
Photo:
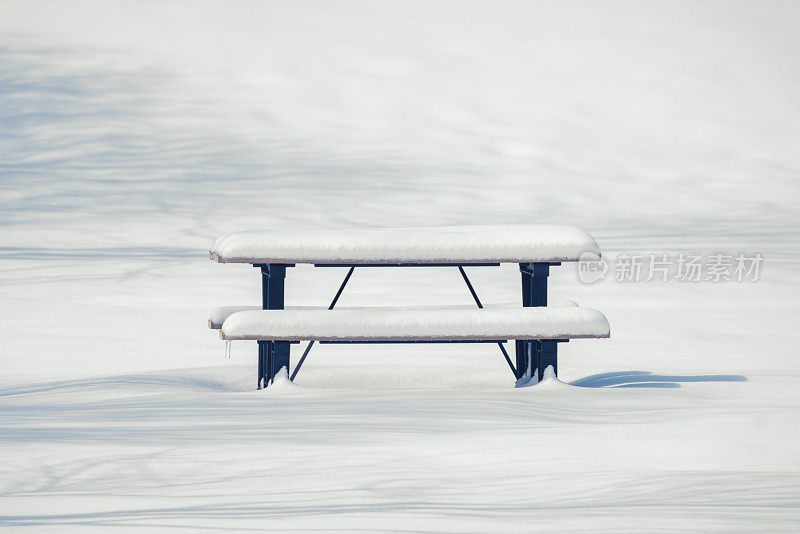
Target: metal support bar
[
  {"x": 333, "y": 303},
  {"x": 478, "y": 302},
  {"x": 279, "y": 358},
  {"x": 272, "y": 355},
  {"x": 534, "y": 294},
  {"x": 469, "y": 286},
  {"x": 538, "y": 355},
  {"x": 534, "y": 283},
  {"x": 407, "y": 341},
  {"x": 341, "y": 287},
  {"x": 548, "y": 355},
  {"x": 263, "y": 347},
  {"x": 406, "y": 264}
]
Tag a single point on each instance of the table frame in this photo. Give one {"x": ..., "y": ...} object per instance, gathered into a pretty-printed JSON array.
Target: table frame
[{"x": 530, "y": 354}]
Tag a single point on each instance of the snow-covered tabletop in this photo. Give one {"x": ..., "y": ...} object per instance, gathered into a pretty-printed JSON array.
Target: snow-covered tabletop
[{"x": 518, "y": 243}]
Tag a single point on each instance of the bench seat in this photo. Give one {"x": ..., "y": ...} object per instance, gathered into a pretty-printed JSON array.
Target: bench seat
[
  {"x": 518, "y": 243},
  {"x": 218, "y": 315},
  {"x": 458, "y": 323}
]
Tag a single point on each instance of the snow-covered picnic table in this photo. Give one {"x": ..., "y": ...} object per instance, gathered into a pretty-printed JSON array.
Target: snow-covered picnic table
[{"x": 535, "y": 326}]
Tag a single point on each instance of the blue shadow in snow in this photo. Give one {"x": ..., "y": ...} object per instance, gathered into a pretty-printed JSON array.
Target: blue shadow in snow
[{"x": 646, "y": 379}]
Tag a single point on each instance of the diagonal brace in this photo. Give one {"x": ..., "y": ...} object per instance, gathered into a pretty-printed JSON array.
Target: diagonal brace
[
  {"x": 333, "y": 303},
  {"x": 478, "y": 302}
]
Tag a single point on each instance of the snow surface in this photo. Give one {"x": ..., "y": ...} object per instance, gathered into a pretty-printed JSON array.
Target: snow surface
[
  {"x": 410, "y": 324},
  {"x": 220, "y": 313},
  {"x": 449, "y": 244},
  {"x": 133, "y": 134}
]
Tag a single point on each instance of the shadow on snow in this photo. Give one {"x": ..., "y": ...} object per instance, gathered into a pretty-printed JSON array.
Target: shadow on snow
[{"x": 646, "y": 379}]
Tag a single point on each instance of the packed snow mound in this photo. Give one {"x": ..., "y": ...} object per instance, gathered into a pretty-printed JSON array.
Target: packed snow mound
[
  {"x": 516, "y": 243},
  {"x": 549, "y": 380},
  {"x": 281, "y": 383},
  {"x": 530, "y": 378}
]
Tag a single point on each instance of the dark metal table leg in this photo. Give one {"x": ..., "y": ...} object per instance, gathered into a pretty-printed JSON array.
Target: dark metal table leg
[
  {"x": 272, "y": 355},
  {"x": 534, "y": 294}
]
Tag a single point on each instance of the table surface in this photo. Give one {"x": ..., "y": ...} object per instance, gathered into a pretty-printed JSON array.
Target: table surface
[{"x": 519, "y": 243}]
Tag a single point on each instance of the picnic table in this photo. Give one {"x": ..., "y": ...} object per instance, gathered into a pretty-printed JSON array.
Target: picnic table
[{"x": 535, "y": 326}]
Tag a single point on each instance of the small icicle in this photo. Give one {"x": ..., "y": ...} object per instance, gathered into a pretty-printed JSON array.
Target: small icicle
[{"x": 227, "y": 350}]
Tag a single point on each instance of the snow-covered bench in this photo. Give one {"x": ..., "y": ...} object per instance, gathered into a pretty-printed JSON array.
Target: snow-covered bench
[{"x": 536, "y": 327}]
